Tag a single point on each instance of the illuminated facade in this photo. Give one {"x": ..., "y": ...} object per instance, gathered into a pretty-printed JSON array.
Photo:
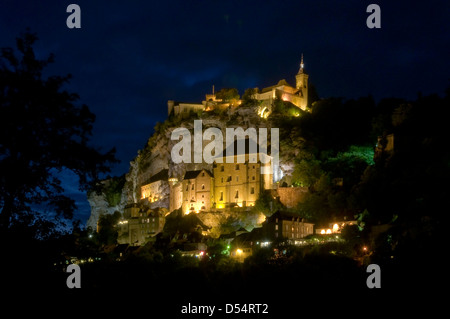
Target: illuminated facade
[
  {"x": 239, "y": 184},
  {"x": 197, "y": 192},
  {"x": 153, "y": 189},
  {"x": 297, "y": 95},
  {"x": 139, "y": 224},
  {"x": 181, "y": 109},
  {"x": 282, "y": 225},
  {"x": 176, "y": 194}
]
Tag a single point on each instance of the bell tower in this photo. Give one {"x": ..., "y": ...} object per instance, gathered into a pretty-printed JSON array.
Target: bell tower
[{"x": 301, "y": 80}]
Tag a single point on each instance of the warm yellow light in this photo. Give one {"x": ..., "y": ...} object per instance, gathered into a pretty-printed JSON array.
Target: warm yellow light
[
  {"x": 262, "y": 112},
  {"x": 328, "y": 231},
  {"x": 335, "y": 228},
  {"x": 322, "y": 231},
  {"x": 239, "y": 251}
]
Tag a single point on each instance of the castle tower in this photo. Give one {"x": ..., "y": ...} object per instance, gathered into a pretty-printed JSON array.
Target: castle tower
[{"x": 301, "y": 80}]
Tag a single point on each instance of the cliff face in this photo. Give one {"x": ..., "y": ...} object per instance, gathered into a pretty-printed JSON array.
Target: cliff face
[
  {"x": 107, "y": 202},
  {"x": 156, "y": 156}
]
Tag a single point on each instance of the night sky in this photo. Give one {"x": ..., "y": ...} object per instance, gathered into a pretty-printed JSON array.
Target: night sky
[{"x": 130, "y": 57}]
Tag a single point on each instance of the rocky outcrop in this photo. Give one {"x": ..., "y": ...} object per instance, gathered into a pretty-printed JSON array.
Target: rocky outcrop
[
  {"x": 229, "y": 221},
  {"x": 101, "y": 206},
  {"x": 156, "y": 156}
]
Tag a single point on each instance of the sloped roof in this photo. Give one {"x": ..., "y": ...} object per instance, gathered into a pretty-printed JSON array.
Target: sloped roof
[
  {"x": 280, "y": 83},
  {"x": 194, "y": 174},
  {"x": 162, "y": 175},
  {"x": 285, "y": 216}
]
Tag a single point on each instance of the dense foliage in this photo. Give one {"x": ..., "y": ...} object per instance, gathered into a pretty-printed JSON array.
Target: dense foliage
[{"x": 43, "y": 131}]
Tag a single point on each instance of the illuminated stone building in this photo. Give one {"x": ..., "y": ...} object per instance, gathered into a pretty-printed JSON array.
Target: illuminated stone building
[
  {"x": 197, "y": 192},
  {"x": 182, "y": 109},
  {"x": 153, "y": 189},
  {"x": 239, "y": 184},
  {"x": 176, "y": 194},
  {"x": 282, "y": 225},
  {"x": 139, "y": 224},
  {"x": 297, "y": 95}
]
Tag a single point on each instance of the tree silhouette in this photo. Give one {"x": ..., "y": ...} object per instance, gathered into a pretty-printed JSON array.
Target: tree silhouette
[{"x": 43, "y": 131}]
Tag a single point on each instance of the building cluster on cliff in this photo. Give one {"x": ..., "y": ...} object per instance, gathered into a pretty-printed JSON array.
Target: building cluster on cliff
[{"x": 229, "y": 185}]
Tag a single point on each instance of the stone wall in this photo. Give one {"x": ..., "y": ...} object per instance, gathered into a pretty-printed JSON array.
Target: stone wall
[{"x": 291, "y": 196}]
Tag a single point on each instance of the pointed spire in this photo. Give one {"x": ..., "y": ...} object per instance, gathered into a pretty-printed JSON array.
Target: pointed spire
[{"x": 302, "y": 65}]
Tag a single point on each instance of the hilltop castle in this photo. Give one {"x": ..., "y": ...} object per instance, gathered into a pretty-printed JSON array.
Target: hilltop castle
[{"x": 297, "y": 95}]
